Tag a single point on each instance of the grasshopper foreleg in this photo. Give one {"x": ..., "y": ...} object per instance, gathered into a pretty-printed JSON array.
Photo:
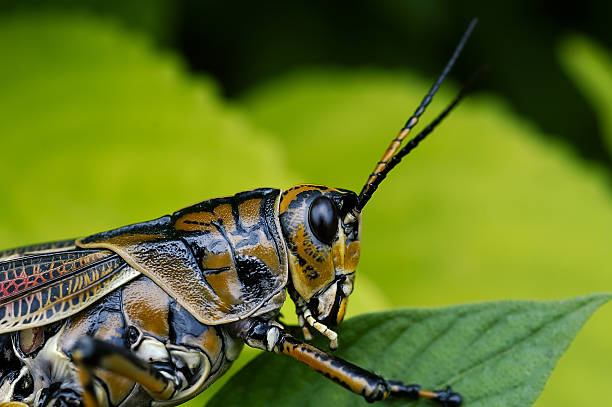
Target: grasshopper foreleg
[{"x": 272, "y": 338}]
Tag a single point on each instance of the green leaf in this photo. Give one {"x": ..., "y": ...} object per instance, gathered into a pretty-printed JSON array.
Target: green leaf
[
  {"x": 590, "y": 65},
  {"x": 494, "y": 354}
]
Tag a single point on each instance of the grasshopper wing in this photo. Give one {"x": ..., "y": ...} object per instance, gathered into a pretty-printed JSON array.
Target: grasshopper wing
[{"x": 46, "y": 283}]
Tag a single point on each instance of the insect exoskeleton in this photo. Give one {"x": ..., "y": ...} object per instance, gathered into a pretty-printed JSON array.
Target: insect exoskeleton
[{"x": 153, "y": 313}]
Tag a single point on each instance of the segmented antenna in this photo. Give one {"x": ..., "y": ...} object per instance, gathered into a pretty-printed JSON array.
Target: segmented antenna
[{"x": 385, "y": 164}]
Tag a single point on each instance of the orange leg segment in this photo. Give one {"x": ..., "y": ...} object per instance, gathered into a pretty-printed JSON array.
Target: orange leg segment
[{"x": 360, "y": 381}]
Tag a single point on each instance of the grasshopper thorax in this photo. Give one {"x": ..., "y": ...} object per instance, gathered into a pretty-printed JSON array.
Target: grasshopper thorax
[{"x": 323, "y": 247}]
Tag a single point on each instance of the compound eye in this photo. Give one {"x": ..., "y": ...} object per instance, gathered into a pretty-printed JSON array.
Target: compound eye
[{"x": 323, "y": 219}]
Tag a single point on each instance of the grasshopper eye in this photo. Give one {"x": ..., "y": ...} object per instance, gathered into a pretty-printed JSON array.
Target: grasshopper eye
[{"x": 323, "y": 219}]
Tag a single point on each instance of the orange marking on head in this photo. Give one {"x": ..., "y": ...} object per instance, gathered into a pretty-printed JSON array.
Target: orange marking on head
[
  {"x": 338, "y": 256},
  {"x": 318, "y": 270},
  {"x": 351, "y": 259},
  {"x": 291, "y": 194}
]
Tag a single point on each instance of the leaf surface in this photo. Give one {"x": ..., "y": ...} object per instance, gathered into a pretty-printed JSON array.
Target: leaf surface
[{"x": 494, "y": 354}]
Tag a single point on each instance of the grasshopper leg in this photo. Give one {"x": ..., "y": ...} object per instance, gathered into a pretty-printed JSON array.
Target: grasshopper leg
[
  {"x": 271, "y": 337},
  {"x": 89, "y": 353}
]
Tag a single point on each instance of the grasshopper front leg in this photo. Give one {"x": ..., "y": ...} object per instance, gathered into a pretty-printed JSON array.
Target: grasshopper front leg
[{"x": 272, "y": 338}]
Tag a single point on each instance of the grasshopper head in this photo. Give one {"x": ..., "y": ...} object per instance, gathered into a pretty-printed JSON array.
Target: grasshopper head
[{"x": 322, "y": 232}]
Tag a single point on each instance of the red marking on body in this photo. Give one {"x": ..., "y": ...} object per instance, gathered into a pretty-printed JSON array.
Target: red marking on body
[{"x": 28, "y": 276}]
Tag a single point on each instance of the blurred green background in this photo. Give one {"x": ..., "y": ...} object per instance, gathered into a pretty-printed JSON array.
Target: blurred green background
[{"x": 114, "y": 113}]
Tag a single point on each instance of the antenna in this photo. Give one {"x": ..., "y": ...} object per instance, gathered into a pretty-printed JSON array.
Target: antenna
[{"x": 385, "y": 164}]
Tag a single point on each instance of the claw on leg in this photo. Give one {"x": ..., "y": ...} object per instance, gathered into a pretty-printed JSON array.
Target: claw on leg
[{"x": 445, "y": 397}]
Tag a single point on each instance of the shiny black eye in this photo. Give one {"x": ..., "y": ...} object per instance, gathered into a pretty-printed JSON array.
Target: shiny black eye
[{"x": 323, "y": 219}]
